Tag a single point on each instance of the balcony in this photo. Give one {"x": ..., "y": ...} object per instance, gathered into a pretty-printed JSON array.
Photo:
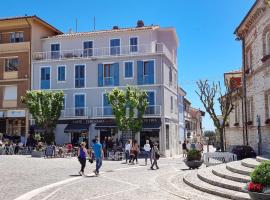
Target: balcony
[
  {"x": 9, "y": 47},
  {"x": 93, "y": 53},
  {"x": 73, "y": 113}
]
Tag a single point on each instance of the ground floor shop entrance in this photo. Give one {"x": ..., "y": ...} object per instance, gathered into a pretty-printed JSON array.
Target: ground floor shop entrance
[{"x": 151, "y": 135}]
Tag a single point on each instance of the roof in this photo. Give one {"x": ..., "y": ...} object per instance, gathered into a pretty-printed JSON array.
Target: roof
[
  {"x": 246, "y": 18},
  {"x": 181, "y": 91},
  {"x": 152, "y": 27},
  {"x": 35, "y": 18}
]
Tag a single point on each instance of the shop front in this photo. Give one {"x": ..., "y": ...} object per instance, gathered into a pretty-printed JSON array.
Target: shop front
[{"x": 78, "y": 133}]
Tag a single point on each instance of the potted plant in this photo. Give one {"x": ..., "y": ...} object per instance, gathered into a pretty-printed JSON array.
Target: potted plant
[
  {"x": 259, "y": 187},
  {"x": 39, "y": 151},
  {"x": 193, "y": 160}
]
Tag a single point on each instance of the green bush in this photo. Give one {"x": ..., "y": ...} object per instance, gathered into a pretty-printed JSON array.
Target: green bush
[
  {"x": 261, "y": 174},
  {"x": 194, "y": 155}
]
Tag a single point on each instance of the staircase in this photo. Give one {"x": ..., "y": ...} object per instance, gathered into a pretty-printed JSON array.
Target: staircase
[{"x": 225, "y": 180}]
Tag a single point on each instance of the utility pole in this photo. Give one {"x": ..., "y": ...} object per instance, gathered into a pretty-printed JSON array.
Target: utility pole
[
  {"x": 94, "y": 23},
  {"x": 76, "y": 25}
]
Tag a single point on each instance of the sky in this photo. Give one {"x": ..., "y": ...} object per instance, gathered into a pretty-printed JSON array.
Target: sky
[{"x": 207, "y": 45}]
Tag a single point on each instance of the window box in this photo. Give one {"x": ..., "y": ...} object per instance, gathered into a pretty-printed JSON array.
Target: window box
[
  {"x": 267, "y": 121},
  {"x": 249, "y": 123},
  {"x": 265, "y": 58},
  {"x": 236, "y": 124}
]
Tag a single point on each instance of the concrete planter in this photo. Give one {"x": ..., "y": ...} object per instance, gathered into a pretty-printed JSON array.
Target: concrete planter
[
  {"x": 195, "y": 164},
  {"x": 259, "y": 196},
  {"x": 37, "y": 154}
]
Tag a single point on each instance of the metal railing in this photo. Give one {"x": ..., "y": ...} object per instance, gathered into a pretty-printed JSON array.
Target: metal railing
[
  {"x": 140, "y": 49},
  {"x": 76, "y": 112},
  {"x": 153, "y": 110}
]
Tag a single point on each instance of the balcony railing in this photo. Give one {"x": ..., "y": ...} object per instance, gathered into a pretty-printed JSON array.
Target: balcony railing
[
  {"x": 153, "y": 110},
  {"x": 103, "y": 52},
  {"x": 78, "y": 112}
]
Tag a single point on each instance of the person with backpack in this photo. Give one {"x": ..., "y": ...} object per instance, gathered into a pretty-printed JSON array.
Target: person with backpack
[
  {"x": 82, "y": 154},
  {"x": 155, "y": 156}
]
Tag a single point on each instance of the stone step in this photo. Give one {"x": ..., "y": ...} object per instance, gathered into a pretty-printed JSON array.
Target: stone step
[
  {"x": 192, "y": 180},
  {"x": 223, "y": 172},
  {"x": 250, "y": 162},
  {"x": 262, "y": 158},
  {"x": 207, "y": 176},
  {"x": 237, "y": 167}
]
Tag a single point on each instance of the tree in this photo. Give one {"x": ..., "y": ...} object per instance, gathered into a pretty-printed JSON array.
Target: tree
[
  {"x": 211, "y": 135},
  {"x": 207, "y": 94},
  {"x": 45, "y": 108},
  {"x": 128, "y": 107}
]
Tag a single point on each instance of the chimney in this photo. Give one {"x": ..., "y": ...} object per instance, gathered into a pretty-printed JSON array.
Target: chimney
[
  {"x": 115, "y": 27},
  {"x": 140, "y": 23}
]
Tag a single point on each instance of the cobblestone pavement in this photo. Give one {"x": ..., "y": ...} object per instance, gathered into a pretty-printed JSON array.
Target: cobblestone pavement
[{"x": 24, "y": 178}]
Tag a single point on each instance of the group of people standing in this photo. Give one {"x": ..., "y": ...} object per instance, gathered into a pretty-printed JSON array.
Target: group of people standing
[
  {"x": 150, "y": 151},
  {"x": 187, "y": 146}
]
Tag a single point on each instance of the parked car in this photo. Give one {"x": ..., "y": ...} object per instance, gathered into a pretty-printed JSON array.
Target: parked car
[{"x": 242, "y": 151}]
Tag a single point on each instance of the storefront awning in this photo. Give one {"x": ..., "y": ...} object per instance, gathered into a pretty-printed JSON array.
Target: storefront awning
[
  {"x": 76, "y": 128},
  {"x": 104, "y": 125}
]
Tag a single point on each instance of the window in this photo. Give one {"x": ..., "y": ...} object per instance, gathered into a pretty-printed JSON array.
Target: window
[
  {"x": 171, "y": 103},
  {"x": 107, "y": 109},
  {"x": 10, "y": 93},
  {"x": 250, "y": 110},
  {"x": 45, "y": 78},
  {"x": 249, "y": 59},
  {"x": 170, "y": 75},
  {"x": 79, "y": 105},
  {"x": 108, "y": 74},
  {"x": 150, "y": 109},
  {"x": 267, "y": 43},
  {"x": 147, "y": 72},
  {"x": 11, "y": 64},
  {"x": 115, "y": 46},
  {"x": 236, "y": 113},
  {"x": 16, "y": 37},
  {"x": 87, "y": 48},
  {"x": 79, "y": 76},
  {"x": 128, "y": 69},
  {"x": 167, "y": 136},
  {"x": 61, "y": 73},
  {"x": 133, "y": 44},
  {"x": 55, "y": 51}
]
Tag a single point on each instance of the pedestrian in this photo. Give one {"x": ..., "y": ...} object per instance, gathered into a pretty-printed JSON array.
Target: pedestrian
[
  {"x": 82, "y": 153},
  {"x": 135, "y": 148},
  {"x": 97, "y": 147},
  {"x": 184, "y": 149},
  {"x": 155, "y": 156},
  {"x": 188, "y": 146},
  {"x": 127, "y": 150},
  {"x": 147, "y": 150}
]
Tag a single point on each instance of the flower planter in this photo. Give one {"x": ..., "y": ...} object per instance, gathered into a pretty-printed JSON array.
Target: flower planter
[
  {"x": 259, "y": 196},
  {"x": 195, "y": 164},
  {"x": 37, "y": 154}
]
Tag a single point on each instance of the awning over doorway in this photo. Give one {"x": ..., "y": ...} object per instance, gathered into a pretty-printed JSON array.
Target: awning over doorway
[
  {"x": 76, "y": 128},
  {"x": 104, "y": 125}
]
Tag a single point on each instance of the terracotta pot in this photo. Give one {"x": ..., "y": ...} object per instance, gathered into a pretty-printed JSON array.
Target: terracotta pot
[
  {"x": 259, "y": 196},
  {"x": 195, "y": 164}
]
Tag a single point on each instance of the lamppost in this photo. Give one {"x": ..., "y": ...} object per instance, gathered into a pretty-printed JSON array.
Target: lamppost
[{"x": 259, "y": 136}]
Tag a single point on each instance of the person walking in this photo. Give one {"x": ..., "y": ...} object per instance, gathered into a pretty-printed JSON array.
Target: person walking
[
  {"x": 155, "y": 156},
  {"x": 184, "y": 149},
  {"x": 82, "y": 153},
  {"x": 127, "y": 150},
  {"x": 147, "y": 150},
  {"x": 97, "y": 147},
  {"x": 135, "y": 148}
]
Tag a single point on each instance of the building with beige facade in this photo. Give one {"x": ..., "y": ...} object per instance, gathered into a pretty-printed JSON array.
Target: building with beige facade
[
  {"x": 19, "y": 36},
  {"x": 252, "y": 96}
]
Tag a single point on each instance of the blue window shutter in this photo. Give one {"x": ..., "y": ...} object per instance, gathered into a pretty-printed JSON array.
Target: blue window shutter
[
  {"x": 116, "y": 73},
  {"x": 140, "y": 72},
  {"x": 151, "y": 98},
  {"x": 151, "y": 72},
  {"x": 100, "y": 75}
]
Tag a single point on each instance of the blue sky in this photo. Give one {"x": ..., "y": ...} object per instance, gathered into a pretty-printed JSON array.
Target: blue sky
[{"x": 205, "y": 29}]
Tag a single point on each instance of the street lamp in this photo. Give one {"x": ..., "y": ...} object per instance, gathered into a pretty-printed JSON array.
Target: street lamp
[{"x": 259, "y": 136}]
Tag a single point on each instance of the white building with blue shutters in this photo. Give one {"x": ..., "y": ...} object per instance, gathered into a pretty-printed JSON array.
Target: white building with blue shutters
[{"x": 87, "y": 64}]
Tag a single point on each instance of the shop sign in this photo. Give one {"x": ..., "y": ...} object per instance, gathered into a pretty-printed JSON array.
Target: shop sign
[{"x": 15, "y": 113}]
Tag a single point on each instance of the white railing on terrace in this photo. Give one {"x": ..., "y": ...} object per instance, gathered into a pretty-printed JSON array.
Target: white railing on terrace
[
  {"x": 78, "y": 112},
  {"x": 103, "y": 52},
  {"x": 153, "y": 110}
]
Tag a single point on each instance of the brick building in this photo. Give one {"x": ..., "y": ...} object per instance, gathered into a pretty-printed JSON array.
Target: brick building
[
  {"x": 19, "y": 36},
  {"x": 252, "y": 102}
]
